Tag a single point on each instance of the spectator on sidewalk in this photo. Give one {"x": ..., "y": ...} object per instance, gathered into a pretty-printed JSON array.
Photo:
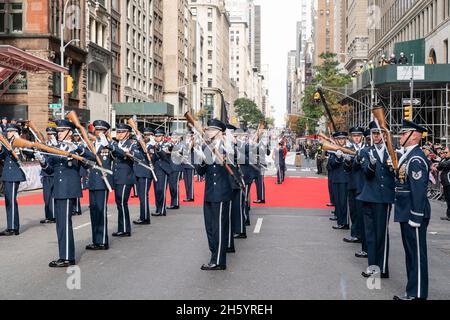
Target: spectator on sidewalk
[{"x": 444, "y": 168}]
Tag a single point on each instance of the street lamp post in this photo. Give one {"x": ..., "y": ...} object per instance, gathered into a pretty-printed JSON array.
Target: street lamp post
[
  {"x": 412, "y": 78},
  {"x": 62, "y": 50}
]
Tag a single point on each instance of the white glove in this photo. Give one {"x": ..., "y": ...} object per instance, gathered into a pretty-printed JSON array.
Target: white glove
[
  {"x": 71, "y": 146},
  {"x": 103, "y": 141},
  {"x": 339, "y": 154},
  {"x": 138, "y": 137},
  {"x": 414, "y": 224},
  {"x": 200, "y": 154},
  {"x": 53, "y": 141},
  {"x": 347, "y": 157},
  {"x": 124, "y": 149},
  {"x": 372, "y": 158},
  {"x": 39, "y": 157}
]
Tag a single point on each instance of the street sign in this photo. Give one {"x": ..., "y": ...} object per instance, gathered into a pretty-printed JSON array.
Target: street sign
[
  {"x": 415, "y": 102},
  {"x": 54, "y": 106}
]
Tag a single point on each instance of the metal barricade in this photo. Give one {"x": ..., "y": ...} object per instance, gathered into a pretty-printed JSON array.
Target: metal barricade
[{"x": 435, "y": 189}]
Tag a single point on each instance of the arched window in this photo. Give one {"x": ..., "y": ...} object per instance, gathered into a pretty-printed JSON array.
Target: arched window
[{"x": 432, "y": 57}]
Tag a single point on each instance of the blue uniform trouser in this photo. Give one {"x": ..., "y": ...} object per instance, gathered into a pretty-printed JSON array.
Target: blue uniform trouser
[
  {"x": 98, "y": 205},
  {"x": 188, "y": 176},
  {"x": 247, "y": 203},
  {"x": 64, "y": 231},
  {"x": 415, "y": 245},
  {"x": 356, "y": 215},
  {"x": 280, "y": 172},
  {"x": 340, "y": 196},
  {"x": 376, "y": 224},
  {"x": 174, "y": 186},
  {"x": 12, "y": 209},
  {"x": 49, "y": 202},
  {"x": 77, "y": 205},
  {"x": 330, "y": 190},
  {"x": 230, "y": 233},
  {"x": 122, "y": 195},
  {"x": 160, "y": 193},
  {"x": 260, "y": 187},
  {"x": 143, "y": 188},
  {"x": 238, "y": 211},
  {"x": 216, "y": 223}
]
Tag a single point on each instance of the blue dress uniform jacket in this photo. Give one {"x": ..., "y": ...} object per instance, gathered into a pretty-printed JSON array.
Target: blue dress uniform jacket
[
  {"x": 11, "y": 169},
  {"x": 411, "y": 204},
  {"x": 140, "y": 171},
  {"x": 123, "y": 166},
  {"x": 340, "y": 191},
  {"x": 162, "y": 160},
  {"x": 144, "y": 180},
  {"x": 379, "y": 183},
  {"x": 95, "y": 179},
  {"x": 337, "y": 165}
]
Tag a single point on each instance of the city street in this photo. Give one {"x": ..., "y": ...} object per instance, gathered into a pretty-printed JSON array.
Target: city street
[{"x": 291, "y": 253}]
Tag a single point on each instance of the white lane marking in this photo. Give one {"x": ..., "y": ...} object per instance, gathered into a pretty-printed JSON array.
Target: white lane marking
[
  {"x": 258, "y": 225},
  {"x": 86, "y": 224}
]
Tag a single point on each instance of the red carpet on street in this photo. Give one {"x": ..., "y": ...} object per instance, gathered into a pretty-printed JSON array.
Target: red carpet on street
[{"x": 293, "y": 193}]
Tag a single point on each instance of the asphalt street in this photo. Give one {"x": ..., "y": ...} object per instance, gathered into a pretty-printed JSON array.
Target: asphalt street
[{"x": 295, "y": 255}]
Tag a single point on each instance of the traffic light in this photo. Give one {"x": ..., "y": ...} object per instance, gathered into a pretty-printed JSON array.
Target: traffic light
[
  {"x": 408, "y": 113},
  {"x": 68, "y": 84}
]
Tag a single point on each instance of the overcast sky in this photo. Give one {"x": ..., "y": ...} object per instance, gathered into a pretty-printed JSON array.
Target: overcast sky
[{"x": 279, "y": 18}]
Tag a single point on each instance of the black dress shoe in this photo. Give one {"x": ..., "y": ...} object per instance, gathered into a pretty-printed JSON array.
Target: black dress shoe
[
  {"x": 247, "y": 223},
  {"x": 61, "y": 263},
  {"x": 330, "y": 205},
  {"x": 121, "y": 234},
  {"x": 9, "y": 232},
  {"x": 361, "y": 254},
  {"x": 240, "y": 236},
  {"x": 157, "y": 214},
  {"x": 259, "y": 201},
  {"x": 344, "y": 227},
  {"x": 351, "y": 240},
  {"x": 188, "y": 200},
  {"x": 212, "y": 267},
  {"x": 333, "y": 218},
  {"x": 445, "y": 218},
  {"x": 77, "y": 213},
  {"x": 48, "y": 221},
  {"x": 173, "y": 207},
  {"x": 230, "y": 250},
  {"x": 141, "y": 222},
  {"x": 406, "y": 298},
  {"x": 96, "y": 247},
  {"x": 371, "y": 274}
]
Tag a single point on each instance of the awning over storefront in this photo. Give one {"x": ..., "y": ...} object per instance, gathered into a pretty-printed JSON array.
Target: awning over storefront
[{"x": 13, "y": 61}]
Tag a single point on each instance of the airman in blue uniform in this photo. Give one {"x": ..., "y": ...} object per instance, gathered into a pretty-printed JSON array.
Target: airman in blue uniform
[
  {"x": 340, "y": 182},
  {"x": 67, "y": 187},
  {"x": 163, "y": 168},
  {"x": 248, "y": 160},
  {"x": 83, "y": 175},
  {"x": 412, "y": 210},
  {"x": 377, "y": 197},
  {"x": 262, "y": 150},
  {"x": 124, "y": 177},
  {"x": 188, "y": 167},
  {"x": 144, "y": 179},
  {"x": 98, "y": 190},
  {"x": 12, "y": 176},
  {"x": 355, "y": 180},
  {"x": 175, "y": 175},
  {"x": 47, "y": 182},
  {"x": 218, "y": 193}
]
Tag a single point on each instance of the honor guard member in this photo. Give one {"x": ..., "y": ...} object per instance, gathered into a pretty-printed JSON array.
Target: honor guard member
[
  {"x": 412, "y": 210},
  {"x": 359, "y": 187},
  {"x": 340, "y": 182},
  {"x": 175, "y": 175},
  {"x": 124, "y": 178},
  {"x": 163, "y": 168},
  {"x": 12, "y": 176},
  {"x": 261, "y": 152},
  {"x": 217, "y": 198},
  {"x": 247, "y": 161},
  {"x": 188, "y": 167},
  {"x": 4, "y": 124},
  {"x": 98, "y": 191},
  {"x": 144, "y": 179},
  {"x": 47, "y": 181},
  {"x": 237, "y": 221},
  {"x": 377, "y": 197},
  {"x": 355, "y": 181},
  {"x": 83, "y": 175},
  {"x": 67, "y": 187}
]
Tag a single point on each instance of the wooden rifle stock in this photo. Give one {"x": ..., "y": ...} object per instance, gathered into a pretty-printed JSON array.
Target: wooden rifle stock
[
  {"x": 133, "y": 125},
  {"x": 22, "y": 143},
  {"x": 33, "y": 127},
  {"x": 378, "y": 113},
  {"x": 8, "y": 146}
]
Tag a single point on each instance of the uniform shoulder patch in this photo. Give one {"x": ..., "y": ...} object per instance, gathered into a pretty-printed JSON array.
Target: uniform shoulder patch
[{"x": 417, "y": 175}]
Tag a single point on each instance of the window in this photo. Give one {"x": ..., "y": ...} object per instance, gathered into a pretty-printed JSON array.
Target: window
[
  {"x": 210, "y": 12},
  {"x": 210, "y": 68},
  {"x": 210, "y": 26},
  {"x": 210, "y": 54},
  {"x": 95, "y": 81},
  {"x": 11, "y": 17},
  {"x": 210, "y": 81},
  {"x": 210, "y": 41}
]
